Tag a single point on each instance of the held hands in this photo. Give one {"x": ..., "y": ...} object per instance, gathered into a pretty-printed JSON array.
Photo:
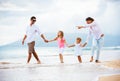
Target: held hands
[
  {"x": 45, "y": 40},
  {"x": 102, "y": 35}
]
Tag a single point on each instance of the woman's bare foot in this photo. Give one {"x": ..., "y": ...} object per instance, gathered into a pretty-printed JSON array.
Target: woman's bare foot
[
  {"x": 91, "y": 60},
  {"x": 97, "y": 61}
]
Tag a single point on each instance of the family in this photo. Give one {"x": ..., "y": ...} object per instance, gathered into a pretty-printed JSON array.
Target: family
[{"x": 94, "y": 31}]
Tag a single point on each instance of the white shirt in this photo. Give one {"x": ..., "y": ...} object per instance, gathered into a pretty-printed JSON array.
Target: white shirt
[
  {"x": 94, "y": 30},
  {"x": 31, "y": 32},
  {"x": 78, "y": 49}
]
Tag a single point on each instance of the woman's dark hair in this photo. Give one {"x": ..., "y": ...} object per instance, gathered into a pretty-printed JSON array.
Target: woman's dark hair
[
  {"x": 89, "y": 18},
  {"x": 33, "y": 17}
]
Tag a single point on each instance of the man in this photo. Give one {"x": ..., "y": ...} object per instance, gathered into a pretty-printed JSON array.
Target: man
[
  {"x": 30, "y": 35},
  {"x": 97, "y": 37}
]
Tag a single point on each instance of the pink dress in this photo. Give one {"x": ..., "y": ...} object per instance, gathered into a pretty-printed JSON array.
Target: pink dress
[{"x": 61, "y": 42}]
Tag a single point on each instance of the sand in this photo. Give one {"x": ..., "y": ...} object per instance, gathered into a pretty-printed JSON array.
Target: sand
[
  {"x": 110, "y": 78},
  {"x": 113, "y": 64}
]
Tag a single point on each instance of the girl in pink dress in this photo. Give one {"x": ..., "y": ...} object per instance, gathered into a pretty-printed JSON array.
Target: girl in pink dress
[{"x": 61, "y": 44}]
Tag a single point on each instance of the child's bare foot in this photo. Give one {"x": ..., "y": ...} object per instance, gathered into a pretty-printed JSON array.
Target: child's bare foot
[
  {"x": 62, "y": 62},
  {"x": 91, "y": 60},
  {"x": 80, "y": 61},
  {"x": 97, "y": 61}
]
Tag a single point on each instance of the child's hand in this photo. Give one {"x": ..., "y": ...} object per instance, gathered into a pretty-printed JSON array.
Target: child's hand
[
  {"x": 102, "y": 35},
  {"x": 68, "y": 46},
  {"x": 46, "y": 41}
]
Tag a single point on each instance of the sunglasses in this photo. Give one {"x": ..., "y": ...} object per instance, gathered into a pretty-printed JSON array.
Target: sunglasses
[{"x": 34, "y": 20}]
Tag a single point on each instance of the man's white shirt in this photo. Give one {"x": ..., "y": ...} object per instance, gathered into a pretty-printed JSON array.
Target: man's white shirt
[{"x": 31, "y": 33}]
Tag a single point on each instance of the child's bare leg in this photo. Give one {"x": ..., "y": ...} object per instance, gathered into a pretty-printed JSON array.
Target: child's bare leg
[
  {"x": 79, "y": 59},
  {"x": 29, "y": 57},
  {"x": 61, "y": 58},
  {"x": 36, "y": 57}
]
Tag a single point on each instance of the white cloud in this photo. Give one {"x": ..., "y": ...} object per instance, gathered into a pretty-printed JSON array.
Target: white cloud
[
  {"x": 10, "y": 7},
  {"x": 54, "y": 15}
]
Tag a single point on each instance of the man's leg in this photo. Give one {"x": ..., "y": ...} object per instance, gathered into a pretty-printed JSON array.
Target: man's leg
[
  {"x": 29, "y": 57},
  {"x": 36, "y": 57}
]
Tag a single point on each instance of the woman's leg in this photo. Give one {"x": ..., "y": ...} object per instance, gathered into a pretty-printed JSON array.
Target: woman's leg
[
  {"x": 93, "y": 49},
  {"x": 99, "y": 45}
]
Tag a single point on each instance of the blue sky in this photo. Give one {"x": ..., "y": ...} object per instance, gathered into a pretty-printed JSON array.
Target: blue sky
[{"x": 54, "y": 15}]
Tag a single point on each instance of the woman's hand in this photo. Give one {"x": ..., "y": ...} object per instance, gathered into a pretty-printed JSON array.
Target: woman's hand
[
  {"x": 102, "y": 35},
  {"x": 79, "y": 27}
]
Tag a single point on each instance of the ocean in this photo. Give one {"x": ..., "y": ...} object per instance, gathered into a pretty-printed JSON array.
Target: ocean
[{"x": 17, "y": 50}]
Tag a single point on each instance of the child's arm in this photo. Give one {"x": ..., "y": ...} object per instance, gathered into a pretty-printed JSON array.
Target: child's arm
[
  {"x": 83, "y": 45},
  {"x": 71, "y": 45},
  {"x": 66, "y": 43},
  {"x": 53, "y": 39}
]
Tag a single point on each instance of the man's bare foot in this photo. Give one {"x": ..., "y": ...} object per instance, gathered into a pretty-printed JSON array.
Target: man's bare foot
[
  {"x": 38, "y": 62},
  {"x": 97, "y": 61},
  {"x": 27, "y": 63},
  {"x": 91, "y": 60}
]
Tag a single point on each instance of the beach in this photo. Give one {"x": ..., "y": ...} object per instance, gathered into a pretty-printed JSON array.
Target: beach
[
  {"x": 112, "y": 64},
  {"x": 51, "y": 69},
  {"x": 110, "y": 78}
]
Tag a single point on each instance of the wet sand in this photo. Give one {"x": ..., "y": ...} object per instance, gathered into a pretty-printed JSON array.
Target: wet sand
[
  {"x": 112, "y": 64},
  {"x": 110, "y": 78},
  {"x": 52, "y": 70}
]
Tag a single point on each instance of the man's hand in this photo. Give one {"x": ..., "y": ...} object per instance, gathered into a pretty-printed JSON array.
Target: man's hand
[
  {"x": 24, "y": 39},
  {"x": 79, "y": 27},
  {"x": 23, "y": 42}
]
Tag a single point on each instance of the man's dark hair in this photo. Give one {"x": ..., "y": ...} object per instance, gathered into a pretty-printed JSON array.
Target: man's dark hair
[
  {"x": 33, "y": 17},
  {"x": 89, "y": 18}
]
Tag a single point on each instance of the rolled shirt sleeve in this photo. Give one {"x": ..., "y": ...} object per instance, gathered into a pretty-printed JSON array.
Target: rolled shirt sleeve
[
  {"x": 89, "y": 25},
  {"x": 39, "y": 31}
]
